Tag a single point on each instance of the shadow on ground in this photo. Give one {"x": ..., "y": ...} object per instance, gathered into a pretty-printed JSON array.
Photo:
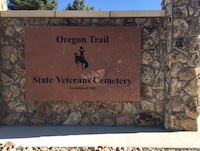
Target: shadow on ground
[{"x": 37, "y": 131}]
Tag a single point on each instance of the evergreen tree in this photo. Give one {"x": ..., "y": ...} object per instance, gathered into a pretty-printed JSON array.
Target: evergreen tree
[
  {"x": 78, "y": 5},
  {"x": 33, "y": 4}
]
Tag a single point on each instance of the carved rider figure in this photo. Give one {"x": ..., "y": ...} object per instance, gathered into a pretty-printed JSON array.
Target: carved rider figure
[{"x": 81, "y": 52}]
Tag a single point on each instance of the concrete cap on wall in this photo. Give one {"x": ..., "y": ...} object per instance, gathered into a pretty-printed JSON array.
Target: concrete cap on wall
[{"x": 82, "y": 14}]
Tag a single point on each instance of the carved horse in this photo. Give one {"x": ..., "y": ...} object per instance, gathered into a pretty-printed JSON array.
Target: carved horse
[{"x": 82, "y": 60}]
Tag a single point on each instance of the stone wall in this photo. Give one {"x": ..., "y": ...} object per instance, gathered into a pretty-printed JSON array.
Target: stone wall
[
  {"x": 17, "y": 110},
  {"x": 183, "y": 63},
  {"x": 169, "y": 74}
]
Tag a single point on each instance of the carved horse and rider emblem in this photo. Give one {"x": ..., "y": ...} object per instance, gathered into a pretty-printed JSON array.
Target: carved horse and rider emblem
[{"x": 81, "y": 58}]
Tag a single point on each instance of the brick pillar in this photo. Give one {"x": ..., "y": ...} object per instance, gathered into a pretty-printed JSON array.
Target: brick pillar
[{"x": 182, "y": 63}]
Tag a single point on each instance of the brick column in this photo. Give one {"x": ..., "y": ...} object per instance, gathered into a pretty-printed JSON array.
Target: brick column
[{"x": 182, "y": 63}]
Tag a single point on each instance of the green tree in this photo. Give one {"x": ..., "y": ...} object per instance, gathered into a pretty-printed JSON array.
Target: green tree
[
  {"x": 33, "y": 4},
  {"x": 78, "y": 5}
]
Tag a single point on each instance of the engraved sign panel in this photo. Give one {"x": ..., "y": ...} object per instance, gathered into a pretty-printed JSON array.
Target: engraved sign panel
[{"x": 82, "y": 63}]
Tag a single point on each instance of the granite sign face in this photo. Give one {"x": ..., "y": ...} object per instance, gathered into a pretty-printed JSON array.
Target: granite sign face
[{"x": 82, "y": 63}]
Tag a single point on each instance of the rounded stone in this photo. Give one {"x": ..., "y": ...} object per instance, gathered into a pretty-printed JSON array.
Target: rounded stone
[
  {"x": 197, "y": 12},
  {"x": 115, "y": 105},
  {"x": 155, "y": 37},
  {"x": 18, "y": 28},
  {"x": 13, "y": 58},
  {"x": 96, "y": 119},
  {"x": 89, "y": 107},
  {"x": 124, "y": 120},
  {"x": 136, "y": 107},
  {"x": 59, "y": 107},
  {"x": 191, "y": 11},
  {"x": 15, "y": 90},
  {"x": 56, "y": 119},
  {"x": 193, "y": 60},
  {"x": 194, "y": 27},
  {"x": 20, "y": 54},
  {"x": 159, "y": 81},
  {"x": 74, "y": 105},
  {"x": 178, "y": 56},
  {"x": 39, "y": 21},
  {"x": 145, "y": 105},
  {"x": 7, "y": 67},
  {"x": 175, "y": 69},
  {"x": 147, "y": 58},
  {"x": 6, "y": 52},
  {"x": 177, "y": 104},
  {"x": 102, "y": 109},
  {"x": 22, "y": 82},
  {"x": 42, "y": 111},
  {"x": 180, "y": 28},
  {"x": 147, "y": 44},
  {"x": 11, "y": 119},
  {"x": 146, "y": 92},
  {"x": 37, "y": 122},
  {"x": 113, "y": 112},
  {"x": 181, "y": 44},
  {"x": 195, "y": 3},
  {"x": 191, "y": 108},
  {"x": 180, "y": 12},
  {"x": 13, "y": 104},
  {"x": 10, "y": 31},
  {"x": 19, "y": 70},
  {"x": 185, "y": 97},
  {"x": 14, "y": 75},
  {"x": 119, "y": 21},
  {"x": 160, "y": 94},
  {"x": 6, "y": 94},
  {"x": 160, "y": 106},
  {"x": 175, "y": 120},
  {"x": 187, "y": 74},
  {"x": 192, "y": 88},
  {"x": 85, "y": 121},
  {"x": 176, "y": 86},
  {"x": 148, "y": 118},
  {"x": 194, "y": 44},
  {"x": 140, "y": 21},
  {"x": 21, "y": 108},
  {"x": 156, "y": 64},
  {"x": 180, "y": 2},
  {"x": 108, "y": 122},
  {"x": 150, "y": 26},
  {"x": 6, "y": 80},
  {"x": 147, "y": 75},
  {"x": 189, "y": 125},
  {"x": 73, "y": 119},
  {"x": 127, "y": 107}
]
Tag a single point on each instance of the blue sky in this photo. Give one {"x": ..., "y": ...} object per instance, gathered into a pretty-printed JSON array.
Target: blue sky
[
  {"x": 106, "y": 5},
  {"x": 117, "y": 4}
]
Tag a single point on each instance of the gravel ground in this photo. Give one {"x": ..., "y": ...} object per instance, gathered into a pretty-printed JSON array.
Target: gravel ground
[{"x": 10, "y": 146}]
